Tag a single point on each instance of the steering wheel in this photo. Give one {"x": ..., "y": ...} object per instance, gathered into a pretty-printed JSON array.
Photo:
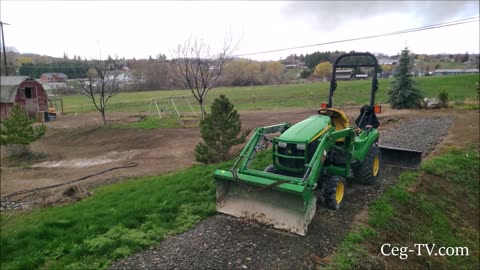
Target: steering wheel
[{"x": 326, "y": 112}]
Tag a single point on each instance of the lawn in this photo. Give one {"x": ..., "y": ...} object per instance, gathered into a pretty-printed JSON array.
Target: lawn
[
  {"x": 461, "y": 87},
  {"x": 116, "y": 221}
]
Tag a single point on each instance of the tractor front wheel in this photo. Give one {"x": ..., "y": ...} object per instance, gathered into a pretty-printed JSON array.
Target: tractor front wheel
[
  {"x": 334, "y": 191},
  {"x": 368, "y": 171}
]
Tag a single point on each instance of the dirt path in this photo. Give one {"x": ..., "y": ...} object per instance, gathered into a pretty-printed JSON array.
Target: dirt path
[{"x": 223, "y": 242}]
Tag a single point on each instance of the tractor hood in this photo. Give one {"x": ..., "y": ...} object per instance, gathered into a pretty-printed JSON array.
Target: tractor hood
[{"x": 307, "y": 130}]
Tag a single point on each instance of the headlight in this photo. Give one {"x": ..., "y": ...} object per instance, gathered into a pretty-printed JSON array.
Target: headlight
[
  {"x": 282, "y": 144},
  {"x": 301, "y": 146}
]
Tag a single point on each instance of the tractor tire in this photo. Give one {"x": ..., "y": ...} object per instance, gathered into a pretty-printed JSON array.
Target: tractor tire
[
  {"x": 368, "y": 172},
  {"x": 334, "y": 191}
]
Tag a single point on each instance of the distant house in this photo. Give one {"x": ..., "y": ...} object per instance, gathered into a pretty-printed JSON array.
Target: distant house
[
  {"x": 386, "y": 74},
  {"x": 447, "y": 58},
  {"x": 121, "y": 78},
  {"x": 290, "y": 64},
  {"x": 343, "y": 74},
  {"x": 440, "y": 72},
  {"x": 361, "y": 76},
  {"x": 53, "y": 77},
  {"x": 124, "y": 77},
  {"x": 386, "y": 61},
  {"x": 22, "y": 90}
]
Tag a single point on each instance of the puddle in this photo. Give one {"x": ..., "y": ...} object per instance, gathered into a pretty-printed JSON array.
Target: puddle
[
  {"x": 88, "y": 162},
  {"x": 74, "y": 163}
]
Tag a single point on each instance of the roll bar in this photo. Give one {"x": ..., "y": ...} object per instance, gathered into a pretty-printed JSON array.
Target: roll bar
[{"x": 333, "y": 81}]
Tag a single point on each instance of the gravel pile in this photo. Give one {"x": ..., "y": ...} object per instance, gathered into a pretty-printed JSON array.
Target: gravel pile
[
  {"x": 223, "y": 242},
  {"x": 421, "y": 134}
]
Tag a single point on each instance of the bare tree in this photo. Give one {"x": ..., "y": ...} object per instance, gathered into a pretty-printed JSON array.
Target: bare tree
[
  {"x": 100, "y": 85},
  {"x": 196, "y": 66}
]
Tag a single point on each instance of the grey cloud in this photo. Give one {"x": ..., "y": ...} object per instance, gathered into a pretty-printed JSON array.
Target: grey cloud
[{"x": 327, "y": 15}]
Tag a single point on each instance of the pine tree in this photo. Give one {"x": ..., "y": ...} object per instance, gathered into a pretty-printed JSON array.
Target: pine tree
[
  {"x": 403, "y": 93},
  {"x": 220, "y": 131},
  {"x": 18, "y": 129}
]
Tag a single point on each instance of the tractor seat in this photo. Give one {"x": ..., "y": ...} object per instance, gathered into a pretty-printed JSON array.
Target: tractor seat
[
  {"x": 339, "y": 118},
  {"x": 367, "y": 117}
]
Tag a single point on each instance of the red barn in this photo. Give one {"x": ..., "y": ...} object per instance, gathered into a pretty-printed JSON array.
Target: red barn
[{"x": 22, "y": 90}]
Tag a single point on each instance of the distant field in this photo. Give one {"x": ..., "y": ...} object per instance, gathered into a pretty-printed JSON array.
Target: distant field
[{"x": 461, "y": 87}]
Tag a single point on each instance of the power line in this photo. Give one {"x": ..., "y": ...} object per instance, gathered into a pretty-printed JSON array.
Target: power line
[
  {"x": 49, "y": 66},
  {"x": 423, "y": 28}
]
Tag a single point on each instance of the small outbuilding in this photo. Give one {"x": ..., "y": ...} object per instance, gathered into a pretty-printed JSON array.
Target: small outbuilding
[
  {"x": 22, "y": 90},
  {"x": 458, "y": 71},
  {"x": 343, "y": 74}
]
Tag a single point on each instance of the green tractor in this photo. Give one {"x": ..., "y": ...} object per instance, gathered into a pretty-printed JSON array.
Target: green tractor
[{"x": 310, "y": 159}]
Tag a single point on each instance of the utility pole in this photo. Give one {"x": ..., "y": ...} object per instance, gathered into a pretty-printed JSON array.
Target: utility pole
[{"x": 4, "y": 52}]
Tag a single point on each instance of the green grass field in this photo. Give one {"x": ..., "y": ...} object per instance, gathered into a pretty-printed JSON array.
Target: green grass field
[
  {"x": 116, "y": 221},
  {"x": 461, "y": 87}
]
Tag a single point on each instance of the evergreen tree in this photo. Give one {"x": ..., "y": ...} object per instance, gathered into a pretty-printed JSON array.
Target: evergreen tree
[
  {"x": 18, "y": 129},
  {"x": 220, "y": 131},
  {"x": 403, "y": 93}
]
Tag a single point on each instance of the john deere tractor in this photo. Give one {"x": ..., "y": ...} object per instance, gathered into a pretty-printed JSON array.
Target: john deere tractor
[{"x": 312, "y": 158}]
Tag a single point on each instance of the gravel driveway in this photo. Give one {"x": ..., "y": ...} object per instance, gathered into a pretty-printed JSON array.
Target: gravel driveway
[{"x": 223, "y": 242}]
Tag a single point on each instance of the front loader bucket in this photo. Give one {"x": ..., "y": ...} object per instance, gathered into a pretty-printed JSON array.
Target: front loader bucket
[
  {"x": 279, "y": 206},
  {"x": 401, "y": 157}
]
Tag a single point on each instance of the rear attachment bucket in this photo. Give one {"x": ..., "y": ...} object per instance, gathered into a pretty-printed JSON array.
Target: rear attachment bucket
[
  {"x": 282, "y": 210},
  {"x": 401, "y": 157}
]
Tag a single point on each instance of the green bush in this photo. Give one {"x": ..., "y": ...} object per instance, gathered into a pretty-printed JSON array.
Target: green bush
[
  {"x": 220, "y": 131},
  {"x": 443, "y": 98},
  {"x": 18, "y": 129}
]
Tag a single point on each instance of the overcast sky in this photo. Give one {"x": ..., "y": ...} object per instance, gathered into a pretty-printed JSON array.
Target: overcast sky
[{"x": 139, "y": 29}]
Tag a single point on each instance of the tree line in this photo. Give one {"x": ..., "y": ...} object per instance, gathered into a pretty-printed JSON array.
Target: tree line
[
  {"x": 154, "y": 73},
  {"x": 72, "y": 69}
]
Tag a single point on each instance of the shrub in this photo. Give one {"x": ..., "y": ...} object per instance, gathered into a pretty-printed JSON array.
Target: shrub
[
  {"x": 18, "y": 129},
  {"x": 220, "y": 131},
  {"x": 443, "y": 98},
  {"x": 305, "y": 73}
]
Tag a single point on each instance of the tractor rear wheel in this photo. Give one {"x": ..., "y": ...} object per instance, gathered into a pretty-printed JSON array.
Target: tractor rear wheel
[
  {"x": 368, "y": 171},
  {"x": 334, "y": 191}
]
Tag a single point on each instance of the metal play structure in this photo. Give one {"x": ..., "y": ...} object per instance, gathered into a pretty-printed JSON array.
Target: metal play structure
[
  {"x": 57, "y": 104},
  {"x": 172, "y": 106}
]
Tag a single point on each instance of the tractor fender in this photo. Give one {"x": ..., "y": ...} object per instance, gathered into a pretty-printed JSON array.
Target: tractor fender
[{"x": 363, "y": 142}]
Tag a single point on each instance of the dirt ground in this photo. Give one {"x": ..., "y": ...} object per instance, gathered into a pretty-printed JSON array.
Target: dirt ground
[{"x": 76, "y": 145}]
